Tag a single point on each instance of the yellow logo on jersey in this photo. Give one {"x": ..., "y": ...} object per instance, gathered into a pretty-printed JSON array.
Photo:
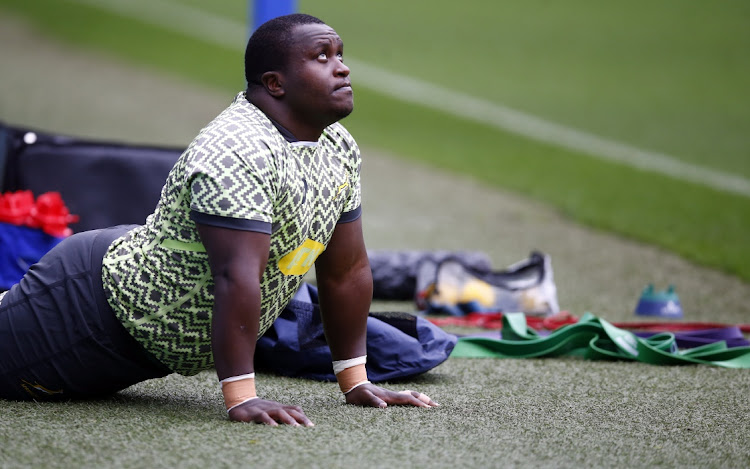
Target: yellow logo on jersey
[
  {"x": 341, "y": 188},
  {"x": 299, "y": 261}
]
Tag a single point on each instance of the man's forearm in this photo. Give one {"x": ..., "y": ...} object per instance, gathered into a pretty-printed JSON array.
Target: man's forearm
[
  {"x": 345, "y": 304},
  {"x": 235, "y": 329}
]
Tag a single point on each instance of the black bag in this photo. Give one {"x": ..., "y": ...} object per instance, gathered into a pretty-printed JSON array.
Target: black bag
[{"x": 105, "y": 183}]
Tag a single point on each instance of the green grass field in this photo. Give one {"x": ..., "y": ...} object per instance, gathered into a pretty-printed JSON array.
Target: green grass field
[
  {"x": 494, "y": 413},
  {"x": 669, "y": 78}
]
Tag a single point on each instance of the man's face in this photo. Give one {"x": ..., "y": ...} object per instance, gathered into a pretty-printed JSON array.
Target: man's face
[{"x": 316, "y": 82}]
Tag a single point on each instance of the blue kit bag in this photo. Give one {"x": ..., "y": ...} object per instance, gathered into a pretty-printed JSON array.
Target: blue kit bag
[
  {"x": 20, "y": 247},
  {"x": 399, "y": 345}
]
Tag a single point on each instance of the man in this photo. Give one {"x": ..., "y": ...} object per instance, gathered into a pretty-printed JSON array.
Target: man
[{"x": 268, "y": 189}]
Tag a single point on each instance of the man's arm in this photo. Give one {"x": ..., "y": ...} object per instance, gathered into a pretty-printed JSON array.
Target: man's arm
[
  {"x": 238, "y": 259},
  {"x": 345, "y": 293}
]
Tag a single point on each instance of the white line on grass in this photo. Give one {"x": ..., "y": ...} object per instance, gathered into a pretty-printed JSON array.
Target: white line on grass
[{"x": 228, "y": 33}]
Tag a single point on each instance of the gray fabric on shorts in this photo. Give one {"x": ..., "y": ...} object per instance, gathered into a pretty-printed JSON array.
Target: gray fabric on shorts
[{"x": 59, "y": 339}]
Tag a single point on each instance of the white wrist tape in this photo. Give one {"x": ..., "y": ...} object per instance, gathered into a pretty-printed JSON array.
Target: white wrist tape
[
  {"x": 237, "y": 378},
  {"x": 341, "y": 365}
]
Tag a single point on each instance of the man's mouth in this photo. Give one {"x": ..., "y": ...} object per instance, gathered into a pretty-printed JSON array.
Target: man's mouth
[{"x": 344, "y": 87}]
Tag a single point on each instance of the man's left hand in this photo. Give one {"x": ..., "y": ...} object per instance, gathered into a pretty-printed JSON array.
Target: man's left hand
[{"x": 369, "y": 395}]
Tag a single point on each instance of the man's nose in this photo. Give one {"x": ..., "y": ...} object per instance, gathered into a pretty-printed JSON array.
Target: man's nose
[{"x": 342, "y": 69}]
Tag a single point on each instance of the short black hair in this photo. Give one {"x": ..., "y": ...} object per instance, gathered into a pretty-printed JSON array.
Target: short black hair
[{"x": 268, "y": 47}]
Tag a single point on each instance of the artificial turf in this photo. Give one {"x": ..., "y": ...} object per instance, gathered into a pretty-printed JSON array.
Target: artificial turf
[{"x": 493, "y": 413}]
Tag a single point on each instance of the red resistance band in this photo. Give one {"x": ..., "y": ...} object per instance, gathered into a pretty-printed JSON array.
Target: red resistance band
[{"x": 550, "y": 323}]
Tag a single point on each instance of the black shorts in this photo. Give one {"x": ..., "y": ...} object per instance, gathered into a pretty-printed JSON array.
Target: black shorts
[{"x": 59, "y": 339}]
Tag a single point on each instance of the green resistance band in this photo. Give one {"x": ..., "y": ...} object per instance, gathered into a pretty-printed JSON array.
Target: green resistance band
[{"x": 596, "y": 339}]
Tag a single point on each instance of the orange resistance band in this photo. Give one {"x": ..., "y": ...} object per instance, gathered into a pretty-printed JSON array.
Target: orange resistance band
[
  {"x": 237, "y": 392},
  {"x": 351, "y": 377}
]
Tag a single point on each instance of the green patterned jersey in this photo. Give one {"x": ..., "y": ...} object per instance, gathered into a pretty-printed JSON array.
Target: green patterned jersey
[{"x": 239, "y": 172}]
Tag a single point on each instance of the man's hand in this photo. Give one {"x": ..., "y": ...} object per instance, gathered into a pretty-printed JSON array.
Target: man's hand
[
  {"x": 269, "y": 412},
  {"x": 369, "y": 395}
]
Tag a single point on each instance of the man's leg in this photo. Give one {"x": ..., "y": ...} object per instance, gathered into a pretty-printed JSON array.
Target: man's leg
[{"x": 58, "y": 337}]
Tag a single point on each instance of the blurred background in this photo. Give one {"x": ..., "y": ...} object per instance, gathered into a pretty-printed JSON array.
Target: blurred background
[{"x": 614, "y": 135}]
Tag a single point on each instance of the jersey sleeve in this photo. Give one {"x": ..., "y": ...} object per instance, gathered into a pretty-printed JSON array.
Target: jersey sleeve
[
  {"x": 350, "y": 155},
  {"x": 232, "y": 184}
]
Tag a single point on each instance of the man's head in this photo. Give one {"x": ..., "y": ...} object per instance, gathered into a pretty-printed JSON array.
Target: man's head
[
  {"x": 269, "y": 47},
  {"x": 296, "y": 74}
]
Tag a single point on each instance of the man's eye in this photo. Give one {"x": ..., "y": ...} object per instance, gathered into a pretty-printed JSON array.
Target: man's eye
[
  {"x": 340, "y": 55},
  {"x": 323, "y": 56}
]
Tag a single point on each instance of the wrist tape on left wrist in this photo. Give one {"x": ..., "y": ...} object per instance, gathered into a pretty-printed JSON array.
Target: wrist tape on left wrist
[{"x": 350, "y": 373}]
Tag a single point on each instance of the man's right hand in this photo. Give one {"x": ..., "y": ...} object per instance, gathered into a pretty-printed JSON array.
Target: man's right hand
[{"x": 269, "y": 412}]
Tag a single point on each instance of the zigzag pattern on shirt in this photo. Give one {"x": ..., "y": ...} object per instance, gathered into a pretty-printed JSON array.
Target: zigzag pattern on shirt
[{"x": 239, "y": 167}]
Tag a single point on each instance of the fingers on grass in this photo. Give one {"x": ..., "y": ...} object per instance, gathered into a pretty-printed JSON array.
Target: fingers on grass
[
  {"x": 423, "y": 399},
  {"x": 378, "y": 402},
  {"x": 266, "y": 419},
  {"x": 300, "y": 417},
  {"x": 284, "y": 417},
  {"x": 368, "y": 398}
]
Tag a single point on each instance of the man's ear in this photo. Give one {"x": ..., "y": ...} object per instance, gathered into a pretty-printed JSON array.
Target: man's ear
[{"x": 272, "y": 82}]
